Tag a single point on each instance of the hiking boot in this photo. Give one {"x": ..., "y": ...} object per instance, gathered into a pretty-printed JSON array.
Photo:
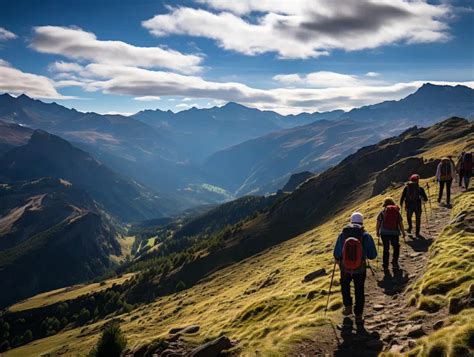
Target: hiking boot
[
  {"x": 347, "y": 310},
  {"x": 359, "y": 319},
  {"x": 409, "y": 230}
]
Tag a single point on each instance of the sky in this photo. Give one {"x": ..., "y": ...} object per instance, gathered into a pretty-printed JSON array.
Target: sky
[{"x": 288, "y": 56}]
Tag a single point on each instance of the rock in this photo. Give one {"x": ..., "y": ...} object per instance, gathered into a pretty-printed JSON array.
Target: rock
[
  {"x": 411, "y": 343},
  {"x": 174, "y": 337},
  {"x": 212, "y": 348},
  {"x": 175, "y": 330},
  {"x": 190, "y": 329},
  {"x": 311, "y": 295},
  {"x": 415, "y": 331},
  {"x": 396, "y": 349},
  {"x": 378, "y": 307},
  {"x": 170, "y": 353},
  {"x": 438, "y": 324},
  {"x": 315, "y": 274}
]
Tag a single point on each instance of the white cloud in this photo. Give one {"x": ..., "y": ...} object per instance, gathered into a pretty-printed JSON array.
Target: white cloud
[
  {"x": 322, "y": 79},
  {"x": 372, "y": 74},
  {"x": 306, "y": 28},
  {"x": 81, "y": 45},
  {"x": 347, "y": 91},
  {"x": 14, "y": 81},
  {"x": 66, "y": 67},
  {"x": 148, "y": 98},
  {"x": 6, "y": 35}
]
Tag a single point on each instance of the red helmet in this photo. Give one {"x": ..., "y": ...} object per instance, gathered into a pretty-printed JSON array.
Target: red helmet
[{"x": 415, "y": 178}]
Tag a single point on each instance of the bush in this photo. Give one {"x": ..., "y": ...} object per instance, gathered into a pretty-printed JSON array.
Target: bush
[
  {"x": 27, "y": 336},
  {"x": 180, "y": 286},
  {"x": 111, "y": 343}
]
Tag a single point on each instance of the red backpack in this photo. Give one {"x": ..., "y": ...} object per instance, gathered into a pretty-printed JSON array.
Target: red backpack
[
  {"x": 391, "y": 217},
  {"x": 352, "y": 255}
]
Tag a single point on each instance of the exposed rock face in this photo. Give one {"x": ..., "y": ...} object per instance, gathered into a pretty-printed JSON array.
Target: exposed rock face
[
  {"x": 400, "y": 172},
  {"x": 296, "y": 180}
]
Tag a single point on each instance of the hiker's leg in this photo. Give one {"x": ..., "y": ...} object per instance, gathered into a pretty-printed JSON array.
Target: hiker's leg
[
  {"x": 467, "y": 178},
  {"x": 409, "y": 218},
  {"x": 448, "y": 191},
  {"x": 395, "y": 240},
  {"x": 440, "y": 191},
  {"x": 359, "y": 283},
  {"x": 386, "y": 253},
  {"x": 461, "y": 177},
  {"x": 346, "y": 289},
  {"x": 418, "y": 220}
]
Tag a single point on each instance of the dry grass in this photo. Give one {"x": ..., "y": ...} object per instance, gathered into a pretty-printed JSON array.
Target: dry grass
[{"x": 64, "y": 294}]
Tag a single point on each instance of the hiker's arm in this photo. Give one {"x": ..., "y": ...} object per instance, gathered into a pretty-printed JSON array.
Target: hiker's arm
[
  {"x": 423, "y": 194},
  {"x": 400, "y": 226},
  {"x": 338, "y": 248},
  {"x": 370, "y": 247},
  {"x": 402, "y": 199},
  {"x": 377, "y": 228},
  {"x": 438, "y": 172}
]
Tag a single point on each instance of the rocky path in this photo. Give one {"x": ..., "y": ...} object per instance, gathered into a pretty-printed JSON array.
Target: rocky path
[{"x": 390, "y": 324}]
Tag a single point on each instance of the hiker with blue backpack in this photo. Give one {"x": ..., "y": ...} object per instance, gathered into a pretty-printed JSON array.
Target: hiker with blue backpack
[
  {"x": 353, "y": 247},
  {"x": 389, "y": 228}
]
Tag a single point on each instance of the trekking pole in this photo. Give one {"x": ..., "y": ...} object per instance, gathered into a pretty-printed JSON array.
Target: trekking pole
[
  {"x": 429, "y": 199},
  {"x": 330, "y": 286},
  {"x": 372, "y": 270},
  {"x": 378, "y": 256},
  {"x": 426, "y": 217}
]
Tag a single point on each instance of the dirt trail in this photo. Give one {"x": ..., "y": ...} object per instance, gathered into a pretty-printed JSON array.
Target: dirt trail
[{"x": 387, "y": 326}]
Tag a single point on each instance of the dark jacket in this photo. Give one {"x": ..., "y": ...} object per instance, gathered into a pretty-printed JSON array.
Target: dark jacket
[{"x": 417, "y": 204}]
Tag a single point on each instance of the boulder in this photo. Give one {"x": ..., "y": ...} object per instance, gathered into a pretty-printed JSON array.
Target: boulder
[
  {"x": 415, "y": 331},
  {"x": 190, "y": 329},
  {"x": 212, "y": 348},
  {"x": 315, "y": 274}
]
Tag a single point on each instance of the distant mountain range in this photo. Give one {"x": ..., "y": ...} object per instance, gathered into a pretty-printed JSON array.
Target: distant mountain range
[
  {"x": 47, "y": 155},
  {"x": 264, "y": 164},
  {"x": 207, "y": 156}
]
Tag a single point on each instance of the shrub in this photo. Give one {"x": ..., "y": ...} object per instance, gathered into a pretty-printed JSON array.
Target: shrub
[
  {"x": 180, "y": 286},
  {"x": 111, "y": 343}
]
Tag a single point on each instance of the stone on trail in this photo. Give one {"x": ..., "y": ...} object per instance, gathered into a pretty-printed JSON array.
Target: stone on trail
[
  {"x": 315, "y": 274},
  {"x": 415, "y": 331},
  {"x": 212, "y": 348},
  {"x": 191, "y": 329},
  {"x": 378, "y": 307},
  {"x": 438, "y": 324}
]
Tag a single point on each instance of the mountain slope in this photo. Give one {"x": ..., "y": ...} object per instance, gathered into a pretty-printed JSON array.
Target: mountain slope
[
  {"x": 266, "y": 163},
  {"x": 48, "y": 155},
  {"x": 51, "y": 235},
  {"x": 263, "y": 301}
]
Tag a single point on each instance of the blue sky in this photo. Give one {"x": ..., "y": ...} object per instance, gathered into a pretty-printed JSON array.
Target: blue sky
[{"x": 124, "y": 56}]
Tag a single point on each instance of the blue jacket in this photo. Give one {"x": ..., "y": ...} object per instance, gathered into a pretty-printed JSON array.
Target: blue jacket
[{"x": 368, "y": 246}]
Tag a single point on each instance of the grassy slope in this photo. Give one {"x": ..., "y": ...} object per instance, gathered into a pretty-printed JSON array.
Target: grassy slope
[
  {"x": 64, "y": 294},
  {"x": 260, "y": 301},
  {"x": 449, "y": 283}
]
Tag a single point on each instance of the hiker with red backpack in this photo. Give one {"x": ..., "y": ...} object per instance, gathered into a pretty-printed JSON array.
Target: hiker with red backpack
[
  {"x": 465, "y": 167},
  {"x": 412, "y": 197},
  {"x": 353, "y": 247},
  {"x": 444, "y": 176},
  {"x": 389, "y": 227}
]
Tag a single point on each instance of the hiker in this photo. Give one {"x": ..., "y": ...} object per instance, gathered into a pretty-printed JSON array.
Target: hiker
[
  {"x": 353, "y": 247},
  {"x": 460, "y": 169},
  {"x": 412, "y": 195},
  {"x": 445, "y": 176},
  {"x": 466, "y": 164},
  {"x": 389, "y": 227}
]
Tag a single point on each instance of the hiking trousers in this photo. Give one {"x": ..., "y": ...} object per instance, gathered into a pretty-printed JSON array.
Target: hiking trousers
[
  {"x": 417, "y": 212},
  {"x": 467, "y": 178},
  {"x": 359, "y": 283},
  {"x": 388, "y": 240},
  {"x": 448, "y": 190}
]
